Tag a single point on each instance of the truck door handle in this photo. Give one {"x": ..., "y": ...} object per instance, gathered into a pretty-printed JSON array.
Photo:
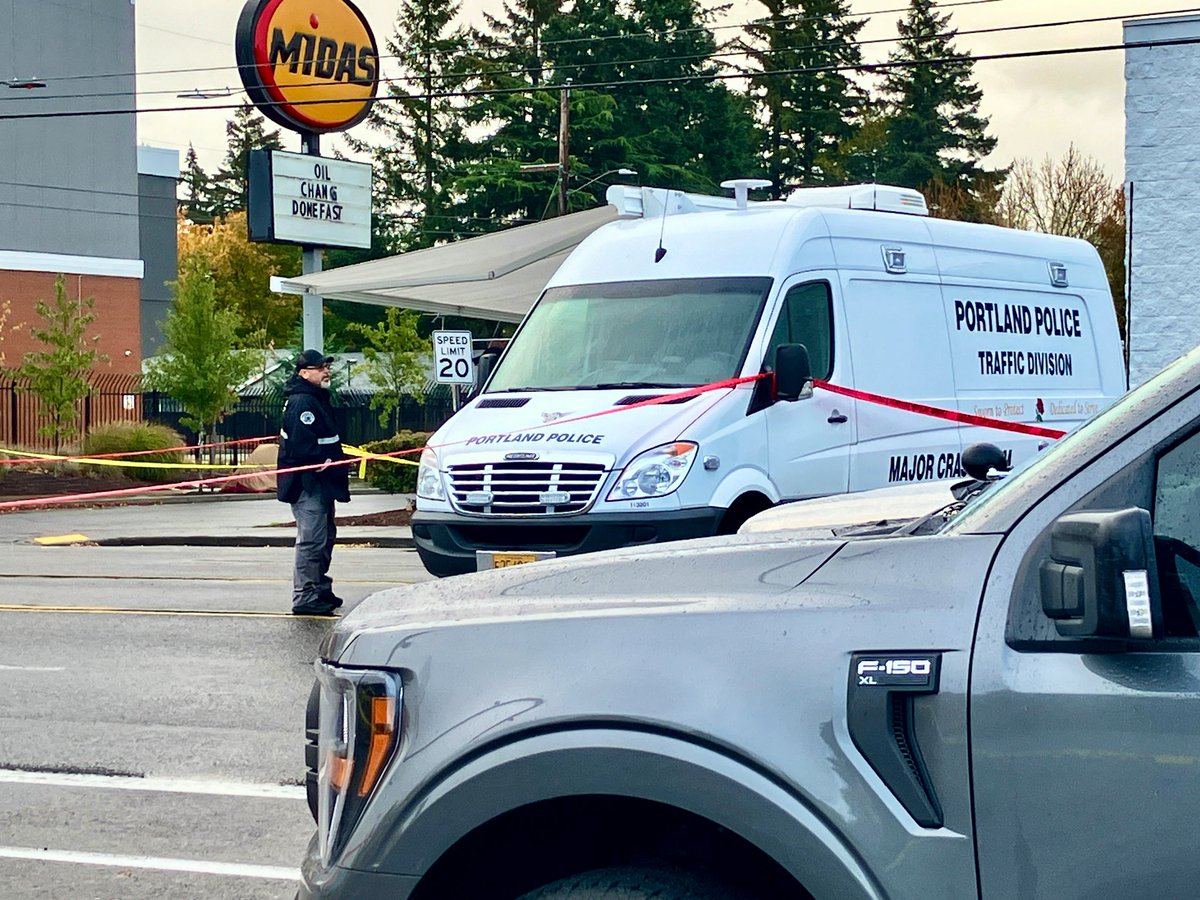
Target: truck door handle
[{"x": 836, "y": 418}]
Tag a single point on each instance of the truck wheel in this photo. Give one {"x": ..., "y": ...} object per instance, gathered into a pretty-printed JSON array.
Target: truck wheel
[{"x": 636, "y": 883}]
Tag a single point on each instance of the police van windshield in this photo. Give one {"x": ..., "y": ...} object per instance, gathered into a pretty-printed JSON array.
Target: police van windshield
[{"x": 670, "y": 333}]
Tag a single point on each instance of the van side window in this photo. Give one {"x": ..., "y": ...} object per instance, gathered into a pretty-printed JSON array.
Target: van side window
[
  {"x": 807, "y": 318},
  {"x": 1177, "y": 535}
]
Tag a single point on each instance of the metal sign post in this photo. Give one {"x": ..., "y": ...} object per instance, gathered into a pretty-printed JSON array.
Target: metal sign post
[{"x": 453, "y": 363}]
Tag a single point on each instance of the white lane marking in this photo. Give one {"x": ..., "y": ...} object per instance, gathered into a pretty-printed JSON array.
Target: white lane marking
[
  {"x": 163, "y": 785},
  {"x": 4, "y": 668},
  {"x": 200, "y": 866}
]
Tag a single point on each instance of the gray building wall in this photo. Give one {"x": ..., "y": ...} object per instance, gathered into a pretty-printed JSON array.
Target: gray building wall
[
  {"x": 1162, "y": 165},
  {"x": 158, "y": 180},
  {"x": 68, "y": 184}
]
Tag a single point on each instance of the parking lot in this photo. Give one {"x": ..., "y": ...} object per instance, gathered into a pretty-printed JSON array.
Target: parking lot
[{"x": 151, "y": 725}]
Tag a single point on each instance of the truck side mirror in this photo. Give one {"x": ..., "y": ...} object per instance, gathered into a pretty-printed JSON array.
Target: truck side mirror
[
  {"x": 793, "y": 372},
  {"x": 1101, "y": 579}
]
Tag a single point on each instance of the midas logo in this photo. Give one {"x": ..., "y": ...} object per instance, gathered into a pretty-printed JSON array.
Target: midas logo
[
  {"x": 310, "y": 65},
  {"x": 311, "y": 54}
]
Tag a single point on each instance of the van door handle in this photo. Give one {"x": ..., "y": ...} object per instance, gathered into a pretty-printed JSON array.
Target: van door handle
[{"x": 836, "y": 418}]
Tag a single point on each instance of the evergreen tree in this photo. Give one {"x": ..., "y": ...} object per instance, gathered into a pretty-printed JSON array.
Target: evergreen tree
[
  {"x": 692, "y": 133},
  {"x": 804, "y": 115},
  {"x": 422, "y": 133},
  {"x": 58, "y": 374},
  {"x": 935, "y": 131},
  {"x": 516, "y": 128},
  {"x": 246, "y": 131},
  {"x": 196, "y": 205}
]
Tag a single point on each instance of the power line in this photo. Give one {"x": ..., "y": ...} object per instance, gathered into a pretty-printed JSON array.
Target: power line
[
  {"x": 602, "y": 37},
  {"x": 960, "y": 59},
  {"x": 559, "y": 69}
]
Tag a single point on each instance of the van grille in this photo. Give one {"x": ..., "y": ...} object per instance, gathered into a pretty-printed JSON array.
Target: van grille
[{"x": 521, "y": 488}]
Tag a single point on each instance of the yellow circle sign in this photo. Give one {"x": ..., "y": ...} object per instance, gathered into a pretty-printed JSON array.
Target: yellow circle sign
[{"x": 310, "y": 65}]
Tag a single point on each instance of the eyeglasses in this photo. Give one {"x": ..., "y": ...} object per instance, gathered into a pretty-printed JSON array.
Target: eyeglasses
[{"x": 322, "y": 366}]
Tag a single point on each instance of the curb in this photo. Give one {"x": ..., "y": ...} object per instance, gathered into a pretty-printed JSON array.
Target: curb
[{"x": 210, "y": 540}]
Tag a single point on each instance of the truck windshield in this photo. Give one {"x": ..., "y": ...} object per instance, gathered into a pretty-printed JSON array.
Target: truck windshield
[{"x": 671, "y": 333}]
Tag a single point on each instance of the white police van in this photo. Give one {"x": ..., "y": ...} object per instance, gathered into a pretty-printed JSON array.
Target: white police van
[{"x": 855, "y": 287}]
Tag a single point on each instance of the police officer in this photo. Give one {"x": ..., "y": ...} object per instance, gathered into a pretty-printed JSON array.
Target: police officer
[{"x": 308, "y": 437}]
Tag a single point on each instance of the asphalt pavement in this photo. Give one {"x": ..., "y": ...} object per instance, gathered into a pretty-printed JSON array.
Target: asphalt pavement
[
  {"x": 152, "y": 693},
  {"x": 225, "y": 520}
]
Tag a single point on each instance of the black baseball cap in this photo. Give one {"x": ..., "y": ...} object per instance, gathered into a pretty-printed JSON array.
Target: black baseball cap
[{"x": 312, "y": 359}]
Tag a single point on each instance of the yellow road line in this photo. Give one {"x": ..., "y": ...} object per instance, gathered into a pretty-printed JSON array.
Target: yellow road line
[{"x": 58, "y": 540}]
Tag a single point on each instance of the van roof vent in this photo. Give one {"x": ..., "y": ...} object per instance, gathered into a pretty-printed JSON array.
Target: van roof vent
[{"x": 879, "y": 197}]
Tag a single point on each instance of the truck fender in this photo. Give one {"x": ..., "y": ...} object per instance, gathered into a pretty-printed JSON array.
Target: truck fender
[
  {"x": 741, "y": 481},
  {"x": 614, "y": 761}
]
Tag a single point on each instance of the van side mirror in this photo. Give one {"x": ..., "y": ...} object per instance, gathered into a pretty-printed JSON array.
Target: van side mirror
[
  {"x": 793, "y": 372},
  {"x": 1101, "y": 579},
  {"x": 483, "y": 369}
]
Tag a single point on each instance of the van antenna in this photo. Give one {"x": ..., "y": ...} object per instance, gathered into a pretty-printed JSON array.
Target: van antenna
[{"x": 662, "y": 251}]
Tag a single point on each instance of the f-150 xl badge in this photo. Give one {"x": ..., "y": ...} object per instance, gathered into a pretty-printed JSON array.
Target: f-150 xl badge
[
  {"x": 893, "y": 670},
  {"x": 879, "y": 712}
]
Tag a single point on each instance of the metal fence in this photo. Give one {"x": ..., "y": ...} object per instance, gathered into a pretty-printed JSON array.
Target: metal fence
[{"x": 119, "y": 398}]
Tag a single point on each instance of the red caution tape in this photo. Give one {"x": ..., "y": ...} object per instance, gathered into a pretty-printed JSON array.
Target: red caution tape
[
  {"x": 893, "y": 403},
  {"x": 938, "y": 413}
]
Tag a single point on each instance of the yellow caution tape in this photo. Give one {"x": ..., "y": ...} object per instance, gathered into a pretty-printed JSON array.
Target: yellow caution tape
[
  {"x": 129, "y": 463},
  {"x": 362, "y": 466}
]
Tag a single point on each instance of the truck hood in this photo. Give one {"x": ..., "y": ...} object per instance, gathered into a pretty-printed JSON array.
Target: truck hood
[
  {"x": 712, "y": 572},
  {"x": 550, "y": 422},
  {"x": 828, "y": 516}
]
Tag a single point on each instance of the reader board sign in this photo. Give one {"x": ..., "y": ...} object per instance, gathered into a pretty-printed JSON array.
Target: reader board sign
[
  {"x": 452, "y": 360},
  {"x": 296, "y": 198}
]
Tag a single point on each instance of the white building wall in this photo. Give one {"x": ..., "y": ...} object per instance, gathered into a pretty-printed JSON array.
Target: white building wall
[{"x": 1162, "y": 166}]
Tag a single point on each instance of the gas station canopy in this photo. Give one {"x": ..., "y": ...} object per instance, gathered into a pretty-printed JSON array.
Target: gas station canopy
[{"x": 494, "y": 276}]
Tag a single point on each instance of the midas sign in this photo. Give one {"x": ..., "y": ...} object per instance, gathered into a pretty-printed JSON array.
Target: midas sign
[{"x": 310, "y": 65}]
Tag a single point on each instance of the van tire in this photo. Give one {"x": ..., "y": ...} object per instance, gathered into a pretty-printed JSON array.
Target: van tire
[
  {"x": 740, "y": 510},
  {"x": 636, "y": 883}
]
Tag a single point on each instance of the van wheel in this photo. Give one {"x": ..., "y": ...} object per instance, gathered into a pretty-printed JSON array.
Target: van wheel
[
  {"x": 636, "y": 883},
  {"x": 740, "y": 510}
]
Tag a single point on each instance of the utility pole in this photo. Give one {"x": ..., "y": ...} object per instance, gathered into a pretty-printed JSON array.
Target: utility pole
[
  {"x": 564, "y": 146},
  {"x": 310, "y": 264}
]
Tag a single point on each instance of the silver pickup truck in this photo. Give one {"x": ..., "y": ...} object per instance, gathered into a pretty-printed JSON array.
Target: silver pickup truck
[{"x": 998, "y": 700}]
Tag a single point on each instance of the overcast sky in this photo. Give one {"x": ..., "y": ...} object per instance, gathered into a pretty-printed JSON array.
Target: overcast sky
[{"x": 1036, "y": 106}]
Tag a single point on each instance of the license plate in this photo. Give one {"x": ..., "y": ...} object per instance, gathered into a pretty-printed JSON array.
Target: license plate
[
  {"x": 487, "y": 559},
  {"x": 503, "y": 560}
]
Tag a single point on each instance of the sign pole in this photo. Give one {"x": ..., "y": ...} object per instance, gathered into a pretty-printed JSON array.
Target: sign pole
[{"x": 310, "y": 263}]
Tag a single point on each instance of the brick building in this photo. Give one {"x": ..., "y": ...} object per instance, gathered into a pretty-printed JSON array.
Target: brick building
[{"x": 78, "y": 197}]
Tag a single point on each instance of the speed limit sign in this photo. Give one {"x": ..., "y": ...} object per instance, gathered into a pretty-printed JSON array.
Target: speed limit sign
[{"x": 452, "y": 363}]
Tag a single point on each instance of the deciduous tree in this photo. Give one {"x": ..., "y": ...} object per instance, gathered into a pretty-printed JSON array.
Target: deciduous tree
[
  {"x": 241, "y": 273},
  {"x": 392, "y": 362},
  {"x": 57, "y": 375},
  {"x": 203, "y": 359},
  {"x": 1075, "y": 197}
]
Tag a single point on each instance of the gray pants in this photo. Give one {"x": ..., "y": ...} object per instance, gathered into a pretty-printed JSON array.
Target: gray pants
[{"x": 315, "y": 534}]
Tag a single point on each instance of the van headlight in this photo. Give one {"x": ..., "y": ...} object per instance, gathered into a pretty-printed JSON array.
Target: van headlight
[
  {"x": 357, "y": 734},
  {"x": 656, "y": 472},
  {"x": 429, "y": 479}
]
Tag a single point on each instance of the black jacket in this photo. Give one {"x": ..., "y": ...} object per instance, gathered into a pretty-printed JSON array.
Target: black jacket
[{"x": 309, "y": 435}]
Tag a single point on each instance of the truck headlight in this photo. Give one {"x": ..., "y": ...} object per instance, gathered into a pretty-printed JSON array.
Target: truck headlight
[
  {"x": 656, "y": 472},
  {"x": 429, "y": 479},
  {"x": 357, "y": 734}
]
